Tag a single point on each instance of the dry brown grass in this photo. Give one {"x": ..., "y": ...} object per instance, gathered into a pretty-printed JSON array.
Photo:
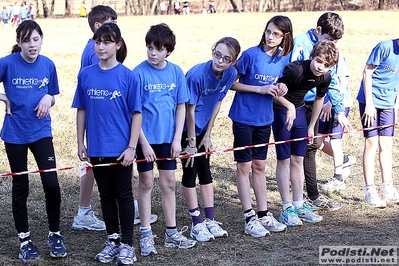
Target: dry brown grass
[{"x": 354, "y": 224}]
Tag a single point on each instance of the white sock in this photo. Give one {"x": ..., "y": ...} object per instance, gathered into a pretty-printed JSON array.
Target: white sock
[
  {"x": 51, "y": 233},
  {"x": 286, "y": 205},
  {"x": 297, "y": 204},
  {"x": 83, "y": 210},
  {"x": 371, "y": 188}
]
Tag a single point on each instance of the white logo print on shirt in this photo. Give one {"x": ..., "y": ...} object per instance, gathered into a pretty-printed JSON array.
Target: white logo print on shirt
[
  {"x": 44, "y": 82},
  {"x": 115, "y": 94}
]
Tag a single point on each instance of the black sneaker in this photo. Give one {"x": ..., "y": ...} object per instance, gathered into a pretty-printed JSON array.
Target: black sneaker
[
  {"x": 56, "y": 243},
  {"x": 28, "y": 252}
]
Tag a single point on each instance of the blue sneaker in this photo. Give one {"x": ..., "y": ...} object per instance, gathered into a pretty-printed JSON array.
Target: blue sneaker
[
  {"x": 289, "y": 217},
  {"x": 56, "y": 243},
  {"x": 306, "y": 214},
  {"x": 28, "y": 252}
]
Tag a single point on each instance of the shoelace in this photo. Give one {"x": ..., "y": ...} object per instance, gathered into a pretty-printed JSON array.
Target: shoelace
[
  {"x": 149, "y": 240},
  {"x": 126, "y": 251}
]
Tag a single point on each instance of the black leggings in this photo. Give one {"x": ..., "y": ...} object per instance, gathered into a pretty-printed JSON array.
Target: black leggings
[
  {"x": 309, "y": 161},
  {"x": 115, "y": 187},
  {"x": 43, "y": 151}
]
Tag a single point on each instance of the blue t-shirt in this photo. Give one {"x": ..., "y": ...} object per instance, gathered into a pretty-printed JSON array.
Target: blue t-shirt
[
  {"x": 25, "y": 84},
  {"x": 161, "y": 91},
  {"x": 303, "y": 45},
  {"x": 206, "y": 91},
  {"x": 385, "y": 78},
  {"x": 109, "y": 98},
  {"x": 89, "y": 56},
  {"x": 256, "y": 68},
  {"x": 4, "y": 14}
]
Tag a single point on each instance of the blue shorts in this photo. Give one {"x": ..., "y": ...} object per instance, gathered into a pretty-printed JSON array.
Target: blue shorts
[
  {"x": 299, "y": 130},
  {"x": 161, "y": 151},
  {"x": 384, "y": 117},
  {"x": 333, "y": 126},
  {"x": 245, "y": 135}
]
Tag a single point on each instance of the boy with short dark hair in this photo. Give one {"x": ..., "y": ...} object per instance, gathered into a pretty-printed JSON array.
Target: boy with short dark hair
[
  {"x": 290, "y": 123},
  {"x": 164, "y": 93}
]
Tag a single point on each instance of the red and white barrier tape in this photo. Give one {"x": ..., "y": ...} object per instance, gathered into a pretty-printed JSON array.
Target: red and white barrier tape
[{"x": 87, "y": 166}]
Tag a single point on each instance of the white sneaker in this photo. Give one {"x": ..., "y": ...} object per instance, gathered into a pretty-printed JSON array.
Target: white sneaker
[
  {"x": 271, "y": 224},
  {"x": 390, "y": 194},
  {"x": 333, "y": 184},
  {"x": 153, "y": 217},
  {"x": 215, "y": 229},
  {"x": 89, "y": 221},
  {"x": 373, "y": 200},
  {"x": 255, "y": 228},
  {"x": 201, "y": 233},
  {"x": 349, "y": 161}
]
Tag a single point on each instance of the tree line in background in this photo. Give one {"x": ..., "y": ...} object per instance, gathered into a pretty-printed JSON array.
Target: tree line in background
[{"x": 69, "y": 8}]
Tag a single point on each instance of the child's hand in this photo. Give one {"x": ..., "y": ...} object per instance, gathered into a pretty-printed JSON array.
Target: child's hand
[
  {"x": 175, "y": 149},
  {"x": 282, "y": 89},
  {"x": 42, "y": 109},
  {"x": 325, "y": 114},
  {"x": 369, "y": 115},
  {"x": 82, "y": 152},
  {"x": 148, "y": 152},
  {"x": 190, "y": 150},
  {"x": 4, "y": 98},
  {"x": 128, "y": 156},
  {"x": 291, "y": 116}
]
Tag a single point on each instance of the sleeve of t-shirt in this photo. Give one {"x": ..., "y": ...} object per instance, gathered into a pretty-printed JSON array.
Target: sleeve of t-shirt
[{"x": 53, "y": 88}]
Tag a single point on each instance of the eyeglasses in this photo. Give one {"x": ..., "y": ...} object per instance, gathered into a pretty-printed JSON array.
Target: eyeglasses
[
  {"x": 276, "y": 35},
  {"x": 218, "y": 55}
]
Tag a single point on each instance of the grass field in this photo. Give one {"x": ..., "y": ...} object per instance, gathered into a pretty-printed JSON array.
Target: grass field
[{"x": 354, "y": 224}]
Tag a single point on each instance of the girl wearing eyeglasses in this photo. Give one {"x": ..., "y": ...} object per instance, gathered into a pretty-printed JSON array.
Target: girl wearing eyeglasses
[
  {"x": 259, "y": 67},
  {"x": 208, "y": 85}
]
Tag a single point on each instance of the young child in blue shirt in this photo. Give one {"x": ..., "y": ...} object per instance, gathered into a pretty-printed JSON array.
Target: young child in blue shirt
[
  {"x": 86, "y": 217},
  {"x": 208, "y": 83},
  {"x": 290, "y": 123},
  {"x": 30, "y": 84},
  {"x": 164, "y": 95},
  {"x": 259, "y": 68},
  {"x": 109, "y": 114},
  {"x": 378, "y": 104}
]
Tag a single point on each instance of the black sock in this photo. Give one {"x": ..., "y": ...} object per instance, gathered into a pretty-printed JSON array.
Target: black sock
[{"x": 261, "y": 213}]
